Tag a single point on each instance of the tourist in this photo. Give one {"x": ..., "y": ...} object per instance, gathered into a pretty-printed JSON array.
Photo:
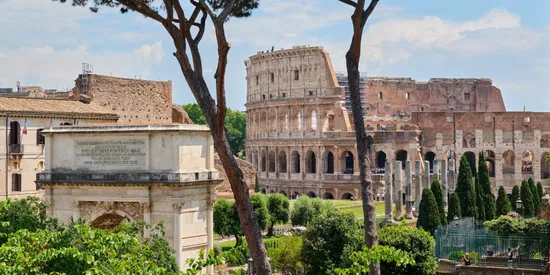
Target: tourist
[
  {"x": 510, "y": 257},
  {"x": 466, "y": 259}
]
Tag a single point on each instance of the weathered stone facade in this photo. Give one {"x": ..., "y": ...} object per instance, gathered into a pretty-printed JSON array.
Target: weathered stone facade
[{"x": 300, "y": 138}]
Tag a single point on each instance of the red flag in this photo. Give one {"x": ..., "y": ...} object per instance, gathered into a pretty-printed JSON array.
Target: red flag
[{"x": 25, "y": 127}]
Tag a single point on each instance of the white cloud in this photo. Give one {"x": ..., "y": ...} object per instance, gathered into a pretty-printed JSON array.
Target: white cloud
[{"x": 50, "y": 68}]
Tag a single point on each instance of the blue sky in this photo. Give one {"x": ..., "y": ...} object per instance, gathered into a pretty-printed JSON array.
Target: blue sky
[{"x": 44, "y": 43}]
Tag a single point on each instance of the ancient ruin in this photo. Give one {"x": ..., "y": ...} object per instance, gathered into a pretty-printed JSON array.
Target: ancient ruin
[{"x": 300, "y": 134}]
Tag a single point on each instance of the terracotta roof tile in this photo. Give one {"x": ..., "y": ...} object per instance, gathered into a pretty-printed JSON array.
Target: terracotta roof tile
[{"x": 40, "y": 106}]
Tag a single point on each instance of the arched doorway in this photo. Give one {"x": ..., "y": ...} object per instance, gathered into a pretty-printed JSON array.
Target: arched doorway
[
  {"x": 490, "y": 160},
  {"x": 330, "y": 163},
  {"x": 430, "y": 156},
  {"x": 311, "y": 164},
  {"x": 471, "y": 157},
  {"x": 263, "y": 160},
  {"x": 402, "y": 156},
  {"x": 311, "y": 194},
  {"x": 108, "y": 221},
  {"x": 380, "y": 162},
  {"x": 271, "y": 161},
  {"x": 263, "y": 191},
  {"x": 527, "y": 162},
  {"x": 508, "y": 165},
  {"x": 295, "y": 195},
  {"x": 347, "y": 162},
  {"x": 295, "y": 162},
  {"x": 282, "y": 162},
  {"x": 283, "y": 193},
  {"x": 347, "y": 196},
  {"x": 328, "y": 196},
  {"x": 544, "y": 166}
]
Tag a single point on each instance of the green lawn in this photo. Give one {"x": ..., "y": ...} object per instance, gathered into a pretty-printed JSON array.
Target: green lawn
[{"x": 357, "y": 208}]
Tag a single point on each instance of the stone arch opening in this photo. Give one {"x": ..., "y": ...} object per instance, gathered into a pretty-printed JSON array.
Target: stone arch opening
[
  {"x": 263, "y": 122},
  {"x": 283, "y": 193},
  {"x": 313, "y": 120},
  {"x": 490, "y": 160},
  {"x": 430, "y": 156},
  {"x": 508, "y": 164},
  {"x": 272, "y": 192},
  {"x": 527, "y": 162},
  {"x": 263, "y": 164},
  {"x": 295, "y": 162},
  {"x": 263, "y": 191},
  {"x": 329, "y": 160},
  {"x": 311, "y": 165},
  {"x": 380, "y": 162},
  {"x": 271, "y": 161},
  {"x": 272, "y": 121},
  {"x": 311, "y": 194},
  {"x": 348, "y": 161},
  {"x": 451, "y": 155},
  {"x": 544, "y": 166},
  {"x": 402, "y": 156},
  {"x": 282, "y": 162},
  {"x": 328, "y": 196},
  {"x": 295, "y": 195},
  {"x": 471, "y": 157},
  {"x": 347, "y": 196},
  {"x": 108, "y": 221}
]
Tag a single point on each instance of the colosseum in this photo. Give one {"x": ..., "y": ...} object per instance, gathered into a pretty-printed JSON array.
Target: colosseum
[{"x": 300, "y": 134}]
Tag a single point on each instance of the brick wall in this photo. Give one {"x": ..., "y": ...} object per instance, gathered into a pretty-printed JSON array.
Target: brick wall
[{"x": 134, "y": 100}]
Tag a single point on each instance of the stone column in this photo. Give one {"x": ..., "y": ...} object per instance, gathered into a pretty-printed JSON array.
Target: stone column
[
  {"x": 451, "y": 176},
  {"x": 178, "y": 221},
  {"x": 436, "y": 170},
  {"x": 146, "y": 210},
  {"x": 417, "y": 185},
  {"x": 408, "y": 186},
  {"x": 288, "y": 162},
  {"x": 388, "y": 192},
  {"x": 398, "y": 191},
  {"x": 444, "y": 182},
  {"x": 426, "y": 174}
]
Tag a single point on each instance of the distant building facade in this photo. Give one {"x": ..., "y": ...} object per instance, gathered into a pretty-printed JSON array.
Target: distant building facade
[{"x": 300, "y": 134}]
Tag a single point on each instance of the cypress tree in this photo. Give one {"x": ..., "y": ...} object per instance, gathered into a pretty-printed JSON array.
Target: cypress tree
[
  {"x": 535, "y": 196},
  {"x": 438, "y": 194},
  {"x": 428, "y": 218},
  {"x": 514, "y": 197},
  {"x": 479, "y": 201},
  {"x": 485, "y": 184},
  {"x": 454, "y": 207},
  {"x": 527, "y": 207},
  {"x": 540, "y": 191},
  {"x": 503, "y": 203},
  {"x": 465, "y": 189}
]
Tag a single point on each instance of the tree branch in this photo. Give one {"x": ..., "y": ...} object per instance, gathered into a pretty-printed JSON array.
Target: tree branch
[
  {"x": 222, "y": 17},
  {"x": 368, "y": 12},
  {"x": 349, "y": 2}
]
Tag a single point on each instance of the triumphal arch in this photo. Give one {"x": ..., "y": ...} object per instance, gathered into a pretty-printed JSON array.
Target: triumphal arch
[
  {"x": 301, "y": 139},
  {"x": 106, "y": 174}
]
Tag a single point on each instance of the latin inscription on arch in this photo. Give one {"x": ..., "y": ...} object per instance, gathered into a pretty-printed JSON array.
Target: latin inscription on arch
[{"x": 104, "y": 153}]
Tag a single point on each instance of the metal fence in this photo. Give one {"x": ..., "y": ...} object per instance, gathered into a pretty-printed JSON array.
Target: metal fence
[{"x": 488, "y": 248}]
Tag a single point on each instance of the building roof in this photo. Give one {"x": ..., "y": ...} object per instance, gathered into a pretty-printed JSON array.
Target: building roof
[
  {"x": 51, "y": 107},
  {"x": 128, "y": 127}
]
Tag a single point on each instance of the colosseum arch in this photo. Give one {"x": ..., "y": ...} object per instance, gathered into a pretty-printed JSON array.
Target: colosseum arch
[
  {"x": 311, "y": 164},
  {"x": 296, "y": 118},
  {"x": 527, "y": 162},
  {"x": 283, "y": 193},
  {"x": 544, "y": 166},
  {"x": 508, "y": 165},
  {"x": 264, "y": 191},
  {"x": 381, "y": 160},
  {"x": 347, "y": 196},
  {"x": 451, "y": 155},
  {"x": 329, "y": 120},
  {"x": 328, "y": 161},
  {"x": 295, "y": 162},
  {"x": 328, "y": 196},
  {"x": 282, "y": 161},
  {"x": 263, "y": 160},
  {"x": 311, "y": 194},
  {"x": 271, "y": 161},
  {"x": 347, "y": 161},
  {"x": 402, "y": 156},
  {"x": 490, "y": 160},
  {"x": 430, "y": 156}
]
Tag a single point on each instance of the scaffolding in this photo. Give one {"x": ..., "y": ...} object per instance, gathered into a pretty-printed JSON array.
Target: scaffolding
[{"x": 86, "y": 70}]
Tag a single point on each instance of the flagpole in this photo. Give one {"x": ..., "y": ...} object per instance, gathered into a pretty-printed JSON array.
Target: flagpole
[{"x": 7, "y": 154}]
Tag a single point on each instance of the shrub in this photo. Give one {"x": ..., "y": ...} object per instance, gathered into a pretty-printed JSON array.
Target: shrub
[
  {"x": 428, "y": 218},
  {"x": 306, "y": 209},
  {"x": 503, "y": 206},
  {"x": 259, "y": 205},
  {"x": 540, "y": 191},
  {"x": 485, "y": 186},
  {"x": 438, "y": 194},
  {"x": 286, "y": 255},
  {"x": 535, "y": 196},
  {"x": 456, "y": 255},
  {"x": 527, "y": 207},
  {"x": 418, "y": 243},
  {"x": 465, "y": 189},
  {"x": 237, "y": 255},
  {"x": 514, "y": 197},
  {"x": 480, "y": 204},
  {"x": 454, "y": 207},
  {"x": 329, "y": 242},
  {"x": 278, "y": 206}
]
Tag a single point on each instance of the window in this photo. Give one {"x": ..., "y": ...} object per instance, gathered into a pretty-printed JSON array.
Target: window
[
  {"x": 452, "y": 109},
  {"x": 310, "y": 93},
  {"x": 380, "y": 95},
  {"x": 422, "y": 109},
  {"x": 272, "y": 77},
  {"x": 40, "y": 139},
  {"x": 270, "y": 96},
  {"x": 263, "y": 97},
  {"x": 466, "y": 96},
  {"x": 296, "y": 75},
  {"x": 257, "y": 80},
  {"x": 407, "y": 96},
  {"x": 284, "y": 94},
  {"x": 16, "y": 182},
  {"x": 527, "y": 119}
]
